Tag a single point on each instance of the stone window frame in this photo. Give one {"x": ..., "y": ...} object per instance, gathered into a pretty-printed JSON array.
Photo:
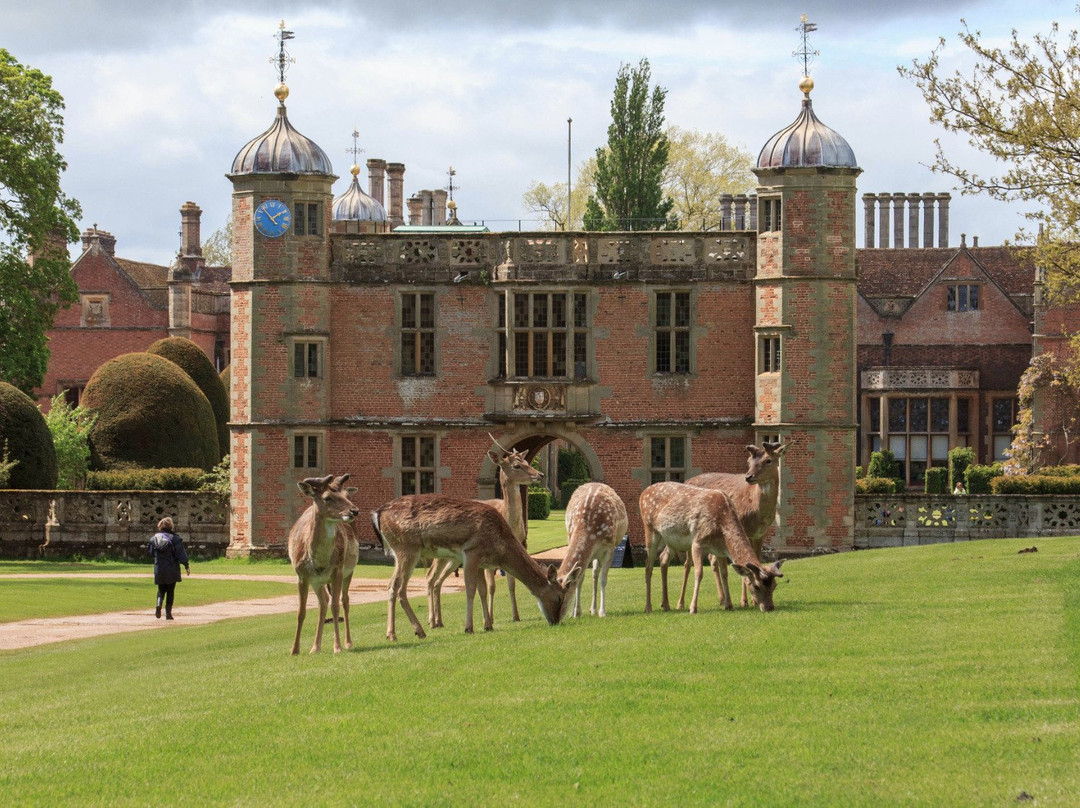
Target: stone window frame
[
  {"x": 307, "y": 218},
  {"x": 770, "y": 214},
  {"x": 577, "y": 329},
  {"x": 654, "y": 333},
  {"x": 666, "y": 471},
  {"x": 321, "y": 342},
  {"x": 303, "y": 440},
  {"x": 86, "y": 299},
  {"x": 770, "y": 352},
  {"x": 416, "y": 468},
  {"x": 957, "y": 301},
  {"x": 417, "y": 332},
  {"x": 999, "y": 436}
]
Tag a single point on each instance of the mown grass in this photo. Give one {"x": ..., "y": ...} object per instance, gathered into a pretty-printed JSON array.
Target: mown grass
[
  {"x": 944, "y": 675},
  {"x": 64, "y": 597}
]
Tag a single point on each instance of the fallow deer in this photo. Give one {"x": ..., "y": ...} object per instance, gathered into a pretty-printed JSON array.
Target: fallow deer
[
  {"x": 700, "y": 521},
  {"x": 432, "y": 525},
  {"x": 514, "y": 472},
  {"x": 324, "y": 550},
  {"x": 595, "y": 522},
  {"x": 754, "y": 496}
]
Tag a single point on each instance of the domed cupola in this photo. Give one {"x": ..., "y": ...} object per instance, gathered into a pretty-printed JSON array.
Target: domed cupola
[
  {"x": 806, "y": 142},
  {"x": 281, "y": 149},
  {"x": 356, "y": 205}
]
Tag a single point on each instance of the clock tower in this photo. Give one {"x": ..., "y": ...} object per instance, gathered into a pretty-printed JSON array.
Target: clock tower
[{"x": 282, "y": 193}]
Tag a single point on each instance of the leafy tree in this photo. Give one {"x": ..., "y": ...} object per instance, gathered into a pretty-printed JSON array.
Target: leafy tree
[
  {"x": 701, "y": 167},
  {"x": 36, "y": 221},
  {"x": 549, "y": 201},
  {"x": 1020, "y": 105},
  {"x": 217, "y": 481},
  {"x": 217, "y": 249},
  {"x": 70, "y": 430},
  {"x": 630, "y": 170},
  {"x": 1048, "y": 416}
]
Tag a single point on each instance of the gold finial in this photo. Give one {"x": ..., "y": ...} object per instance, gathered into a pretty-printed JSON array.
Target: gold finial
[
  {"x": 806, "y": 85},
  {"x": 282, "y": 60},
  {"x": 806, "y": 54},
  {"x": 281, "y": 92},
  {"x": 355, "y": 170},
  {"x": 355, "y": 151}
]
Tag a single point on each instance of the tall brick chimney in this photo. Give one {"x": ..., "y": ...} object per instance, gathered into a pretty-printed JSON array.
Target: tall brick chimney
[
  {"x": 190, "y": 238},
  {"x": 416, "y": 210},
  {"x": 102, "y": 239},
  {"x": 438, "y": 207},
  {"x": 396, "y": 174},
  {"x": 376, "y": 180},
  {"x": 869, "y": 204}
]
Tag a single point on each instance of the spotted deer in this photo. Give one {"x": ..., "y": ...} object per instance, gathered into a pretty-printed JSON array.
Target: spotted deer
[
  {"x": 514, "y": 472},
  {"x": 324, "y": 550},
  {"x": 700, "y": 521},
  {"x": 433, "y": 525},
  {"x": 595, "y": 522},
  {"x": 754, "y": 496}
]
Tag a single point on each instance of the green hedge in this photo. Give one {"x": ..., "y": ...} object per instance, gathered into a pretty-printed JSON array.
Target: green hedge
[
  {"x": 960, "y": 459},
  {"x": 572, "y": 465},
  {"x": 1060, "y": 471},
  {"x": 145, "y": 480},
  {"x": 27, "y": 439},
  {"x": 883, "y": 464},
  {"x": 937, "y": 480},
  {"x": 1036, "y": 484},
  {"x": 567, "y": 489},
  {"x": 977, "y": 478},
  {"x": 539, "y": 503},
  {"x": 191, "y": 359},
  {"x": 875, "y": 485}
]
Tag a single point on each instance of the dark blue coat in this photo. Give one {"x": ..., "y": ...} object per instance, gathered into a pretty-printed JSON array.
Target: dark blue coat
[{"x": 169, "y": 553}]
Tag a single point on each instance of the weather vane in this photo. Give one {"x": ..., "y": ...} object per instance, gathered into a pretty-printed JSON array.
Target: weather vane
[
  {"x": 806, "y": 53},
  {"x": 283, "y": 59},
  {"x": 355, "y": 151},
  {"x": 450, "y": 187}
]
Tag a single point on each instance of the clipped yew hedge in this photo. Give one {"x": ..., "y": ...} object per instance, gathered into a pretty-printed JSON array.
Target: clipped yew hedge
[
  {"x": 875, "y": 485},
  {"x": 539, "y": 503},
  {"x": 145, "y": 480},
  {"x": 197, "y": 365},
  {"x": 1037, "y": 484},
  {"x": 23, "y": 429},
  {"x": 150, "y": 415}
]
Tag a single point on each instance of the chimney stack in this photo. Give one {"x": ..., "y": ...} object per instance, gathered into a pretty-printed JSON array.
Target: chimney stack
[
  {"x": 101, "y": 239},
  {"x": 190, "y": 241},
  {"x": 943, "y": 219},
  {"x": 438, "y": 207},
  {"x": 416, "y": 210},
  {"x": 913, "y": 220},
  {"x": 884, "y": 241},
  {"x": 869, "y": 200},
  {"x": 898, "y": 219},
  {"x": 396, "y": 180},
  {"x": 376, "y": 179}
]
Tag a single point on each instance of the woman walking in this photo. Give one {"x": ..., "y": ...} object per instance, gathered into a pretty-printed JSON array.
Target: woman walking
[{"x": 167, "y": 548}]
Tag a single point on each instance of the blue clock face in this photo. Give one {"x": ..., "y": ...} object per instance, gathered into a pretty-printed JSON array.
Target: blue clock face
[{"x": 272, "y": 218}]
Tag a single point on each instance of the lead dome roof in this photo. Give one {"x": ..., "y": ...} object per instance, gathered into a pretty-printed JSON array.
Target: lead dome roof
[
  {"x": 806, "y": 143},
  {"x": 281, "y": 150}
]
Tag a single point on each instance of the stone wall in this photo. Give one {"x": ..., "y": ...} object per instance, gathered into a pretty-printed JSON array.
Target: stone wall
[{"x": 117, "y": 524}]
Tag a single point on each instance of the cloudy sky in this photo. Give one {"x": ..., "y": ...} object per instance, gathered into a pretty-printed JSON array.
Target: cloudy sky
[{"x": 161, "y": 96}]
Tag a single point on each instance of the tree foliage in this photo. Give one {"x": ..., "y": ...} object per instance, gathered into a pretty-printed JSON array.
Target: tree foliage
[
  {"x": 70, "y": 429},
  {"x": 1048, "y": 416},
  {"x": 1020, "y": 105},
  {"x": 549, "y": 201},
  {"x": 630, "y": 169},
  {"x": 25, "y": 439},
  {"x": 217, "y": 249},
  {"x": 36, "y": 219},
  {"x": 701, "y": 167}
]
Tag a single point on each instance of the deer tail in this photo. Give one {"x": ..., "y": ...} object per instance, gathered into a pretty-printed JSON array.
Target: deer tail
[{"x": 378, "y": 532}]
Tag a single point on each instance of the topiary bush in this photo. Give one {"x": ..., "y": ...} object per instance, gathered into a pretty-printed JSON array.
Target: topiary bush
[
  {"x": 27, "y": 441},
  {"x": 1060, "y": 471},
  {"x": 936, "y": 480},
  {"x": 883, "y": 464},
  {"x": 875, "y": 485},
  {"x": 1061, "y": 485},
  {"x": 568, "y": 487},
  {"x": 146, "y": 480},
  {"x": 539, "y": 502},
  {"x": 960, "y": 458},
  {"x": 150, "y": 415},
  {"x": 977, "y": 478},
  {"x": 197, "y": 365},
  {"x": 572, "y": 465}
]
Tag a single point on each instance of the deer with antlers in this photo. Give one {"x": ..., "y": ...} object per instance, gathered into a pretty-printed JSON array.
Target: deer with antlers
[
  {"x": 595, "y": 522},
  {"x": 514, "y": 472},
  {"x": 324, "y": 550},
  {"x": 700, "y": 521},
  {"x": 472, "y": 533}
]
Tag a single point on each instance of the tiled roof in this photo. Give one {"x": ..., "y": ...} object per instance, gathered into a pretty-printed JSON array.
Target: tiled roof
[
  {"x": 145, "y": 276},
  {"x": 905, "y": 272}
]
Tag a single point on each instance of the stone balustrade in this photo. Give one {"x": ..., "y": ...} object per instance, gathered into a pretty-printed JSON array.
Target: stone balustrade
[{"x": 35, "y": 524}]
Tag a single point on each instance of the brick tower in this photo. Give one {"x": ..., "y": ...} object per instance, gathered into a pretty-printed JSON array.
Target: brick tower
[
  {"x": 805, "y": 327},
  {"x": 280, "y": 326}
]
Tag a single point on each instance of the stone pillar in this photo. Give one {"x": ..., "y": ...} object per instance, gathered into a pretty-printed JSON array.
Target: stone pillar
[
  {"x": 425, "y": 207},
  {"x": 943, "y": 219},
  {"x": 438, "y": 207},
  {"x": 913, "y": 220},
  {"x": 883, "y": 220},
  {"x": 395, "y": 173},
  {"x": 898, "y": 220},
  {"x": 928, "y": 220},
  {"x": 376, "y": 180},
  {"x": 869, "y": 201},
  {"x": 725, "y": 212},
  {"x": 753, "y": 211},
  {"x": 416, "y": 210}
]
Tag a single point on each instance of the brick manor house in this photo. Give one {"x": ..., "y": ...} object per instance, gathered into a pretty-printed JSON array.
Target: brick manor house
[{"x": 360, "y": 344}]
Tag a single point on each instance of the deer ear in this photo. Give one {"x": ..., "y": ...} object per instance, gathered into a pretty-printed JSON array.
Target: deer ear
[
  {"x": 774, "y": 569},
  {"x": 781, "y": 448},
  {"x": 752, "y": 449},
  {"x": 552, "y": 574},
  {"x": 571, "y": 577},
  {"x": 306, "y": 488}
]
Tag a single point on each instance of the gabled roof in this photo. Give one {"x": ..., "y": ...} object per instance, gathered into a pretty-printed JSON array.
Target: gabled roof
[{"x": 907, "y": 272}]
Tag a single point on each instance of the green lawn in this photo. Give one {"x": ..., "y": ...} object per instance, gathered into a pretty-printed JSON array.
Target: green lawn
[
  {"x": 942, "y": 675},
  {"x": 546, "y": 534}
]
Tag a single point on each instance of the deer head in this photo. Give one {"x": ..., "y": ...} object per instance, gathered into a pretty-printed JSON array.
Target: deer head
[
  {"x": 555, "y": 600},
  {"x": 330, "y": 497},
  {"x": 762, "y": 466},
  {"x": 515, "y": 467},
  {"x": 762, "y": 581}
]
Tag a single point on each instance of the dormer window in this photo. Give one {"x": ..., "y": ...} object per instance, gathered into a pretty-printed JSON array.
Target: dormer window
[{"x": 962, "y": 297}]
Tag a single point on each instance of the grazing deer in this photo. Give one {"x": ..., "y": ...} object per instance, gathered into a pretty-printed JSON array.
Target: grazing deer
[
  {"x": 754, "y": 496},
  {"x": 432, "y": 525},
  {"x": 700, "y": 521},
  {"x": 595, "y": 522},
  {"x": 514, "y": 472},
  {"x": 323, "y": 550}
]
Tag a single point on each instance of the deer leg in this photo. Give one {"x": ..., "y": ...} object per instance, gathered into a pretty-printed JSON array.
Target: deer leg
[
  {"x": 399, "y": 583},
  {"x": 471, "y": 573},
  {"x": 436, "y": 576},
  {"x": 698, "y": 555},
  {"x": 511, "y": 587},
  {"x": 720, "y": 566},
  {"x": 403, "y": 595},
  {"x": 324, "y": 601},
  {"x": 747, "y": 595},
  {"x": 345, "y": 584},
  {"x": 335, "y": 608},
  {"x": 650, "y": 556},
  {"x": 687, "y": 565},
  {"x": 605, "y": 564},
  {"x": 665, "y": 560},
  {"x": 302, "y": 588},
  {"x": 489, "y": 593}
]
